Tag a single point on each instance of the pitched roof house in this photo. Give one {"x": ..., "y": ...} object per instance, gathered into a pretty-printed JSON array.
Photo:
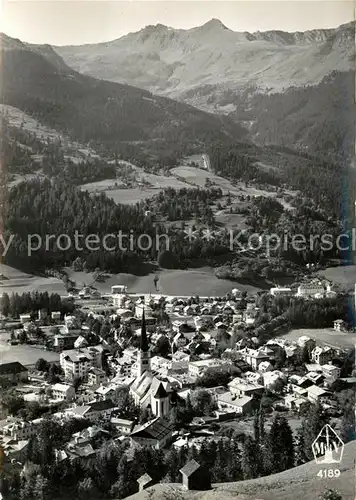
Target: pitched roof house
[{"x": 195, "y": 477}]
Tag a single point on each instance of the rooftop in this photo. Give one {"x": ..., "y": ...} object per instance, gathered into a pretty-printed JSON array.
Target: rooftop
[
  {"x": 12, "y": 368},
  {"x": 145, "y": 479},
  {"x": 189, "y": 468},
  {"x": 231, "y": 400},
  {"x": 155, "y": 429}
]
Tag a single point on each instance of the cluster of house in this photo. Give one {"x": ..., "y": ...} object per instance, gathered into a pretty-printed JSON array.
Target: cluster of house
[{"x": 154, "y": 381}]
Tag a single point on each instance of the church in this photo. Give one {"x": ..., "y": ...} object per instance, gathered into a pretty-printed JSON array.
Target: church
[{"x": 149, "y": 391}]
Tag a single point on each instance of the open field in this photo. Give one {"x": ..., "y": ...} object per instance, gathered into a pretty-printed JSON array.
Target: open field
[
  {"x": 24, "y": 354},
  {"x": 154, "y": 184},
  {"x": 198, "y": 177},
  {"x": 130, "y": 196},
  {"x": 328, "y": 336},
  {"x": 182, "y": 176},
  {"x": 19, "y": 282},
  {"x": 299, "y": 483},
  {"x": 181, "y": 282},
  {"x": 231, "y": 221},
  {"x": 185, "y": 282},
  {"x": 171, "y": 282}
]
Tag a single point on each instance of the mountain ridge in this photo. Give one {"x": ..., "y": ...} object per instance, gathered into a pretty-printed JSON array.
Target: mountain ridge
[
  {"x": 319, "y": 34},
  {"x": 36, "y": 80},
  {"x": 172, "y": 61},
  {"x": 232, "y": 73}
]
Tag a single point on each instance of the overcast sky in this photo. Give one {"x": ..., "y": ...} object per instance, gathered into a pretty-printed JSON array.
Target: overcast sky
[{"x": 66, "y": 22}]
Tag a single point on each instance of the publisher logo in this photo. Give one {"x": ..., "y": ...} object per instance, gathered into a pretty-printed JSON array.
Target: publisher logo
[{"x": 328, "y": 448}]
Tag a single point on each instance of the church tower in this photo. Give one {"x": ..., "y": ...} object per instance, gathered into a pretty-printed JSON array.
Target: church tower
[
  {"x": 144, "y": 362},
  {"x": 160, "y": 403}
]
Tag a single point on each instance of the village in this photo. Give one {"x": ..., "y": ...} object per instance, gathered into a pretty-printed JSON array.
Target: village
[{"x": 129, "y": 366}]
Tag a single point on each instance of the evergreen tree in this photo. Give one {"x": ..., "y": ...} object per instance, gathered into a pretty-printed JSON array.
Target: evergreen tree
[
  {"x": 300, "y": 457},
  {"x": 256, "y": 427},
  {"x": 311, "y": 426},
  {"x": 42, "y": 488},
  {"x": 5, "y": 304},
  {"x": 87, "y": 489},
  {"x": 234, "y": 470},
  {"x": 251, "y": 464},
  {"x": 261, "y": 418},
  {"x": 172, "y": 464},
  {"x": 220, "y": 467},
  {"x": 281, "y": 445}
]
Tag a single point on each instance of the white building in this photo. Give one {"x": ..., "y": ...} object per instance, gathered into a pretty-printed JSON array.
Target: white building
[
  {"x": 118, "y": 289},
  {"x": 180, "y": 361},
  {"x": 56, "y": 315},
  {"x": 265, "y": 366},
  {"x": 63, "y": 392},
  {"x": 80, "y": 342},
  {"x": 315, "y": 393},
  {"x": 77, "y": 362},
  {"x": 240, "y": 405},
  {"x": 25, "y": 318},
  {"x": 322, "y": 355},
  {"x": 254, "y": 357},
  {"x": 270, "y": 378},
  {"x": 129, "y": 355},
  {"x": 122, "y": 425},
  {"x": 96, "y": 376},
  {"x": 281, "y": 291},
  {"x": 313, "y": 289},
  {"x": 253, "y": 377},
  {"x": 158, "y": 363},
  {"x": 198, "y": 368},
  {"x": 295, "y": 402},
  {"x": 304, "y": 340},
  {"x": 94, "y": 411},
  {"x": 240, "y": 387},
  {"x": 19, "y": 429},
  {"x": 331, "y": 371},
  {"x": 156, "y": 433},
  {"x": 340, "y": 325}
]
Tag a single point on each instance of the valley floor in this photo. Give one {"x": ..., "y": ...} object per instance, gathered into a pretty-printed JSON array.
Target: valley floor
[{"x": 171, "y": 282}]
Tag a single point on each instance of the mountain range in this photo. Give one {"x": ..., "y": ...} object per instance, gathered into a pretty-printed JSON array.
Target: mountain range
[
  {"x": 175, "y": 61},
  {"x": 231, "y": 73},
  {"x": 173, "y": 86},
  {"x": 36, "y": 80}
]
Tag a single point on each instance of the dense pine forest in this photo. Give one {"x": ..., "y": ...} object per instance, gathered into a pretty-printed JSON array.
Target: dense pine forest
[
  {"x": 57, "y": 208},
  {"x": 326, "y": 182},
  {"x": 316, "y": 118}
]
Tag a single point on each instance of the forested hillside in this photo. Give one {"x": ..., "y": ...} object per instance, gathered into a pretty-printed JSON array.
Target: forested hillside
[
  {"x": 104, "y": 113},
  {"x": 58, "y": 208},
  {"x": 326, "y": 181},
  {"x": 291, "y": 89},
  {"x": 316, "y": 119}
]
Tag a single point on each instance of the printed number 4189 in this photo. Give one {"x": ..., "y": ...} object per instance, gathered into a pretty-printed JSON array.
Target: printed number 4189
[{"x": 330, "y": 473}]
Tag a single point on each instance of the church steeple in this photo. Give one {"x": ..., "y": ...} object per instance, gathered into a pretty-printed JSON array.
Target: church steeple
[
  {"x": 144, "y": 342},
  {"x": 144, "y": 362}
]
